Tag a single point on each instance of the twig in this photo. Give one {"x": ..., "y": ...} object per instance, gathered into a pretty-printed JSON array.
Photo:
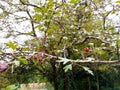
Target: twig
[
  {"x": 32, "y": 24},
  {"x": 28, "y": 4}
]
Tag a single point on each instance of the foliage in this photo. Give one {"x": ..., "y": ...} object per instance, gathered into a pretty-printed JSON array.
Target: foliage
[{"x": 76, "y": 40}]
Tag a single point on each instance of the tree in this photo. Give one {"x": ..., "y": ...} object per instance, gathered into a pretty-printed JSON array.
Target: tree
[{"x": 76, "y": 35}]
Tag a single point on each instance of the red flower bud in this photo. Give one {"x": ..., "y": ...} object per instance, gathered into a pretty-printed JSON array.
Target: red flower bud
[
  {"x": 40, "y": 57},
  {"x": 35, "y": 57}
]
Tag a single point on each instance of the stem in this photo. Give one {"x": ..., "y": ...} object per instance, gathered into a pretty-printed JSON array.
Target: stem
[
  {"x": 117, "y": 47},
  {"x": 28, "y": 4},
  {"x": 104, "y": 21}
]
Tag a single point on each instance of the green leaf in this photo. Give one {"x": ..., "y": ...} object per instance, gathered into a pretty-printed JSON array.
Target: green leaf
[
  {"x": 37, "y": 9},
  {"x": 23, "y": 60},
  {"x": 68, "y": 67},
  {"x": 39, "y": 26},
  {"x": 30, "y": 33},
  {"x": 12, "y": 45},
  {"x": 0, "y": 52},
  {"x": 88, "y": 70},
  {"x": 11, "y": 87},
  {"x": 74, "y": 1},
  {"x": 118, "y": 42},
  {"x": 35, "y": 61},
  {"x": 24, "y": 1},
  {"x": 25, "y": 49},
  {"x": 99, "y": 51},
  {"x": 49, "y": 31},
  {"x": 102, "y": 68},
  {"x": 37, "y": 16},
  {"x": 91, "y": 44},
  {"x": 113, "y": 12},
  {"x": 118, "y": 1},
  {"x": 5, "y": 13}
]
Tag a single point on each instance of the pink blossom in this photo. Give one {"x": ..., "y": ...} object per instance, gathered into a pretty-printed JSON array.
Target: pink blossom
[{"x": 3, "y": 67}]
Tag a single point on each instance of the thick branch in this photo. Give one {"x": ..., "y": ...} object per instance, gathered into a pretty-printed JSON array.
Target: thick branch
[
  {"x": 60, "y": 59},
  {"x": 85, "y": 61},
  {"x": 91, "y": 37},
  {"x": 95, "y": 61}
]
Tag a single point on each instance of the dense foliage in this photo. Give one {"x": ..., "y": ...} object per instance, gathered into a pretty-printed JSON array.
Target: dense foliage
[{"x": 71, "y": 43}]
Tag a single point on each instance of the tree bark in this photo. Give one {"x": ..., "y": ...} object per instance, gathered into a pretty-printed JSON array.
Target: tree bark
[
  {"x": 89, "y": 84},
  {"x": 66, "y": 81},
  {"x": 54, "y": 75},
  {"x": 97, "y": 78}
]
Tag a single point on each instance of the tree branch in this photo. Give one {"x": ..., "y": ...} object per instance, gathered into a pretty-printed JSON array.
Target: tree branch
[
  {"x": 78, "y": 61},
  {"x": 32, "y": 24},
  {"x": 31, "y": 19},
  {"x": 28, "y": 4},
  {"x": 84, "y": 61},
  {"x": 95, "y": 61},
  {"x": 91, "y": 37}
]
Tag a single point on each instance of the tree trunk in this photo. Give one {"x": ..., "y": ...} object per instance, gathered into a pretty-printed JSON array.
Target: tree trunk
[
  {"x": 65, "y": 76},
  {"x": 97, "y": 77},
  {"x": 54, "y": 75},
  {"x": 89, "y": 84},
  {"x": 66, "y": 81},
  {"x": 55, "y": 85}
]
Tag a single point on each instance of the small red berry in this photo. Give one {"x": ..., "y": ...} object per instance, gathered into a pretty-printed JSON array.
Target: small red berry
[{"x": 87, "y": 49}]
